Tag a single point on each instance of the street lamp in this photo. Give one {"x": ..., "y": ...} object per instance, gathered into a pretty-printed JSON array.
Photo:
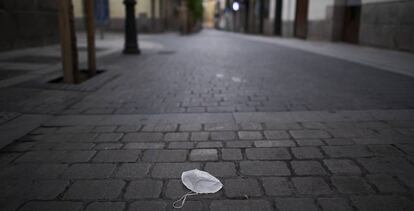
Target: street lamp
[{"x": 131, "y": 41}]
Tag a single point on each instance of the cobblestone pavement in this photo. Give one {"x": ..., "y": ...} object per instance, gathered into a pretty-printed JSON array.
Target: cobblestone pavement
[{"x": 284, "y": 130}]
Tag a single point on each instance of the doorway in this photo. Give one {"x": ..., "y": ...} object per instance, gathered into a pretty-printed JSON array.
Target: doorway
[
  {"x": 301, "y": 18},
  {"x": 278, "y": 17},
  {"x": 352, "y": 16}
]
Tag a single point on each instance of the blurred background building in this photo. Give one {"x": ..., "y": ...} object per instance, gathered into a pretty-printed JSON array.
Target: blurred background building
[{"x": 379, "y": 23}]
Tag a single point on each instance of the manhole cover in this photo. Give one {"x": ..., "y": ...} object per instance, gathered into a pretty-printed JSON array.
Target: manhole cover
[{"x": 34, "y": 59}]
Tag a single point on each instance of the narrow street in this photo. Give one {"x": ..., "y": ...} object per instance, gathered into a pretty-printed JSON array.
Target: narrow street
[{"x": 282, "y": 128}]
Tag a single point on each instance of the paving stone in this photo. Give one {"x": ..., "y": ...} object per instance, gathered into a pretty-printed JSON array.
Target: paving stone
[
  {"x": 143, "y": 189},
  {"x": 147, "y": 206},
  {"x": 203, "y": 154},
  {"x": 133, "y": 170},
  {"x": 75, "y": 129},
  {"x": 308, "y": 168},
  {"x": 275, "y": 143},
  {"x": 384, "y": 150},
  {"x": 303, "y": 134},
  {"x": 250, "y": 135},
  {"x": 309, "y": 142},
  {"x": 239, "y": 144},
  {"x": 89, "y": 171},
  {"x": 386, "y": 183},
  {"x": 155, "y": 145},
  {"x": 190, "y": 127},
  {"x": 346, "y": 151},
  {"x": 277, "y": 186},
  {"x": 56, "y": 156},
  {"x": 250, "y": 126},
  {"x": 240, "y": 205},
  {"x": 109, "y": 137},
  {"x": 268, "y": 154},
  {"x": 352, "y": 132},
  {"x": 44, "y": 189},
  {"x": 79, "y": 137},
  {"x": 172, "y": 170},
  {"x": 199, "y": 136},
  {"x": 282, "y": 126},
  {"x": 221, "y": 169},
  {"x": 264, "y": 168},
  {"x": 142, "y": 137},
  {"x": 220, "y": 127},
  {"x": 181, "y": 145},
  {"x": 342, "y": 167},
  {"x": 241, "y": 188},
  {"x": 182, "y": 136},
  {"x": 382, "y": 203},
  {"x": 351, "y": 184},
  {"x": 160, "y": 127},
  {"x": 391, "y": 165},
  {"x": 73, "y": 146},
  {"x": 159, "y": 155},
  {"x": 94, "y": 189},
  {"x": 52, "y": 205},
  {"x": 311, "y": 185},
  {"x": 106, "y": 206},
  {"x": 107, "y": 146},
  {"x": 276, "y": 134},
  {"x": 296, "y": 204},
  {"x": 128, "y": 128},
  {"x": 112, "y": 156},
  {"x": 337, "y": 204},
  {"x": 104, "y": 129},
  {"x": 33, "y": 171},
  {"x": 210, "y": 144},
  {"x": 231, "y": 154},
  {"x": 307, "y": 153},
  {"x": 223, "y": 136},
  {"x": 339, "y": 141}
]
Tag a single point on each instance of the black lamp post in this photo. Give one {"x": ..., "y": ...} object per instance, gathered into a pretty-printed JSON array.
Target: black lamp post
[{"x": 131, "y": 40}]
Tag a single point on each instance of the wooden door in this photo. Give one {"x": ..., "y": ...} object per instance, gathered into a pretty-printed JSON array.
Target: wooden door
[
  {"x": 301, "y": 19},
  {"x": 351, "y": 24}
]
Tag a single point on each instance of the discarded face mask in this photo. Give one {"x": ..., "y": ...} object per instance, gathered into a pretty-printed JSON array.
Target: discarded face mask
[{"x": 198, "y": 182}]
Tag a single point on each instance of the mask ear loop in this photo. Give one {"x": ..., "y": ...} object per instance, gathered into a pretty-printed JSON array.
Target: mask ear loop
[{"x": 183, "y": 199}]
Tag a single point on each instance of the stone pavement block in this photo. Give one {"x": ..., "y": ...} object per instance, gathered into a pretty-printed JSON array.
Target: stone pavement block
[
  {"x": 335, "y": 204},
  {"x": 240, "y": 205},
  {"x": 113, "y": 156},
  {"x": 282, "y": 126},
  {"x": 225, "y": 135},
  {"x": 45, "y": 189},
  {"x": 277, "y": 186},
  {"x": 342, "y": 167},
  {"x": 143, "y": 189},
  {"x": 56, "y": 156},
  {"x": 172, "y": 170},
  {"x": 311, "y": 185},
  {"x": 147, "y": 206},
  {"x": 241, "y": 188},
  {"x": 106, "y": 206},
  {"x": 274, "y": 143},
  {"x": 268, "y": 154},
  {"x": 128, "y": 128},
  {"x": 75, "y": 129},
  {"x": 382, "y": 203},
  {"x": 203, "y": 154},
  {"x": 190, "y": 127},
  {"x": 73, "y": 146},
  {"x": 249, "y": 135},
  {"x": 160, "y": 127},
  {"x": 339, "y": 141},
  {"x": 296, "y": 204},
  {"x": 52, "y": 205},
  {"x": 231, "y": 154},
  {"x": 391, "y": 165},
  {"x": 94, "y": 189},
  {"x": 133, "y": 170},
  {"x": 385, "y": 150},
  {"x": 276, "y": 134},
  {"x": 33, "y": 171},
  {"x": 199, "y": 136},
  {"x": 220, "y": 127},
  {"x": 191, "y": 206},
  {"x": 239, "y": 144},
  {"x": 351, "y": 184},
  {"x": 181, "y": 136},
  {"x": 159, "y": 155},
  {"x": 82, "y": 137},
  {"x": 386, "y": 183},
  {"x": 250, "y": 126},
  {"x": 309, "y": 142},
  {"x": 346, "y": 151},
  {"x": 89, "y": 171},
  {"x": 104, "y": 129},
  {"x": 308, "y": 168},
  {"x": 107, "y": 146},
  {"x": 210, "y": 144},
  {"x": 221, "y": 169},
  {"x": 108, "y": 137},
  {"x": 181, "y": 145},
  {"x": 154, "y": 145},
  {"x": 352, "y": 132},
  {"x": 142, "y": 137},
  {"x": 264, "y": 168},
  {"x": 302, "y": 134},
  {"x": 307, "y": 153}
]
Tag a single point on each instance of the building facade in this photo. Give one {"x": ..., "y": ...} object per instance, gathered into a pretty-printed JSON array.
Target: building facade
[{"x": 380, "y": 23}]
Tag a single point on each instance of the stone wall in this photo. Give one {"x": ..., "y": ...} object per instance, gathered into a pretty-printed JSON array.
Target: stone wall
[
  {"x": 28, "y": 23},
  {"x": 388, "y": 25}
]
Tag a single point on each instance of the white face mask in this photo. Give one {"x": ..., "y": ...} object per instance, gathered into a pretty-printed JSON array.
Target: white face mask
[{"x": 198, "y": 182}]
